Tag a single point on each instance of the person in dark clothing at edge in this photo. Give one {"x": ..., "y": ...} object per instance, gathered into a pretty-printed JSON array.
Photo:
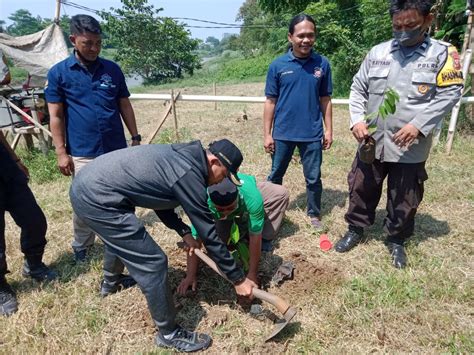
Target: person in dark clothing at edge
[
  {"x": 16, "y": 197},
  {"x": 159, "y": 177}
]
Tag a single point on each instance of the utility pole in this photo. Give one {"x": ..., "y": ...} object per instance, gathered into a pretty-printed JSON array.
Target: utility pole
[{"x": 57, "y": 12}]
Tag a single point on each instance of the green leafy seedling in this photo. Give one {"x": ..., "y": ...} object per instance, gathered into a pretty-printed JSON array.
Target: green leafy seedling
[{"x": 388, "y": 107}]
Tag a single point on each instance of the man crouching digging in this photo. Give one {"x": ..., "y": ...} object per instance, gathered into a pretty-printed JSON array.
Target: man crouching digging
[{"x": 160, "y": 177}]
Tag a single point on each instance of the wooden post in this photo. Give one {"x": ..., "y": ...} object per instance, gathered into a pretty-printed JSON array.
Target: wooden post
[
  {"x": 467, "y": 35},
  {"x": 173, "y": 109},
  {"x": 28, "y": 141},
  {"x": 57, "y": 12},
  {"x": 455, "y": 111},
  {"x": 215, "y": 94},
  {"x": 165, "y": 115},
  {"x": 24, "y": 114},
  {"x": 15, "y": 141},
  {"x": 39, "y": 135},
  {"x": 468, "y": 43},
  {"x": 42, "y": 141}
]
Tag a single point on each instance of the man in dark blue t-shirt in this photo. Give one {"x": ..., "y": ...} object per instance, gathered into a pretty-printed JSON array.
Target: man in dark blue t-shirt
[
  {"x": 87, "y": 100},
  {"x": 298, "y": 91}
]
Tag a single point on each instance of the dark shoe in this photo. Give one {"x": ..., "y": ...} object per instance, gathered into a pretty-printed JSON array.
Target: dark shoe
[
  {"x": 352, "y": 237},
  {"x": 124, "y": 282},
  {"x": 80, "y": 255},
  {"x": 39, "y": 273},
  {"x": 399, "y": 257},
  {"x": 8, "y": 303},
  {"x": 184, "y": 340}
]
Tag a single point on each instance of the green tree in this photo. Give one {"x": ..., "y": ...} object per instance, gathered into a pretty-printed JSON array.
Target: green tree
[
  {"x": 213, "y": 41},
  {"x": 24, "y": 23},
  {"x": 284, "y": 6},
  {"x": 229, "y": 42},
  {"x": 346, "y": 30},
  {"x": 257, "y": 26},
  {"x": 157, "y": 48},
  {"x": 212, "y": 46},
  {"x": 64, "y": 22},
  {"x": 451, "y": 19}
]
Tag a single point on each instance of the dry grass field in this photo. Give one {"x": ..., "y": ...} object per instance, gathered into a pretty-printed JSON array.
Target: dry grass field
[{"x": 351, "y": 303}]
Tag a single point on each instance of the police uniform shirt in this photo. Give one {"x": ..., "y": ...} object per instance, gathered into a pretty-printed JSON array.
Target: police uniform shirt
[{"x": 429, "y": 83}]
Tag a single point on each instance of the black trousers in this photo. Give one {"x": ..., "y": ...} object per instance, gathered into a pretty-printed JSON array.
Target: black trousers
[
  {"x": 404, "y": 194},
  {"x": 17, "y": 198}
]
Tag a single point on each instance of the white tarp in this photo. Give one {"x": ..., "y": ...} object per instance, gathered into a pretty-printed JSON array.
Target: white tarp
[{"x": 37, "y": 52}]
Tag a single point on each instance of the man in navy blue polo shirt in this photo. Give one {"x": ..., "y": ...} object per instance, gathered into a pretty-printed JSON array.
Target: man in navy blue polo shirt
[
  {"x": 298, "y": 91},
  {"x": 87, "y": 100}
]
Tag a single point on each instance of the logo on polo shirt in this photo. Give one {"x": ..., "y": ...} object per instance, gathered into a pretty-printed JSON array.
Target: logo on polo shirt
[
  {"x": 318, "y": 72},
  {"x": 106, "y": 81}
]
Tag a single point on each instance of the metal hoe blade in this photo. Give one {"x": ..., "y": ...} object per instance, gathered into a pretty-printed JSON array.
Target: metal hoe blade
[{"x": 287, "y": 317}]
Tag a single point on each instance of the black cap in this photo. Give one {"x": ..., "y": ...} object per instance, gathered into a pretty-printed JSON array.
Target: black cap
[
  {"x": 229, "y": 155},
  {"x": 223, "y": 193}
]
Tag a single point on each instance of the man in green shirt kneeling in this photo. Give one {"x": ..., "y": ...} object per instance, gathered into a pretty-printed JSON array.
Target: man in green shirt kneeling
[{"x": 248, "y": 218}]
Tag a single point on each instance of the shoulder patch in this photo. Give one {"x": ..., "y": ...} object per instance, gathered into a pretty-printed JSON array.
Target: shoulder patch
[{"x": 450, "y": 73}]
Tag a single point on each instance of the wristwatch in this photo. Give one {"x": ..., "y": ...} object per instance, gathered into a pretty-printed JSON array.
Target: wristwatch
[{"x": 137, "y": 138}]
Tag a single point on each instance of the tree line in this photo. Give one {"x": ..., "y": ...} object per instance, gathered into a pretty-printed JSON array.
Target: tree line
[
  {"x": 161, "y": 49},
  {"x": 346, "y": 29}
]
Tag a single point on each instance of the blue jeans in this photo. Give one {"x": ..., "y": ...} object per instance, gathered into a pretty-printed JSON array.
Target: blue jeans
[{"x": 311, "y": 158}]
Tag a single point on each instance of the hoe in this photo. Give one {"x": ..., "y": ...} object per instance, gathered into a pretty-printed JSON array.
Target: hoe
[{"x": 283, "y": 307}]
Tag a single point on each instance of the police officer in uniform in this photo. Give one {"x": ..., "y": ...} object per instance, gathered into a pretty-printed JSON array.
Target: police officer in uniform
[{"x": 426, "y": 74}]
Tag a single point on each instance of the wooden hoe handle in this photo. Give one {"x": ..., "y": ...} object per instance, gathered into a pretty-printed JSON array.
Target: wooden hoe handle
[{"x": 276, "y": 301}]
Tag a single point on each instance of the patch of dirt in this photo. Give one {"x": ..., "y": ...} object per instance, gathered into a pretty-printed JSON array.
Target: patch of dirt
[
  {"x": 215, "y": 317},
  {"x": 271, "y": 347},
  {"x": 308, "y": 276},
  {"x": 139, "y": 318}
]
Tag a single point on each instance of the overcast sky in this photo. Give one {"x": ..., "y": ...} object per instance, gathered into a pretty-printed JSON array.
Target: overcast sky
[{"x": 224, "y": 11}]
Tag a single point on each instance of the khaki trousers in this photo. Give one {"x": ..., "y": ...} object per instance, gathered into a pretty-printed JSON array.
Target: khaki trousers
[{"x": 84, "y": 237}]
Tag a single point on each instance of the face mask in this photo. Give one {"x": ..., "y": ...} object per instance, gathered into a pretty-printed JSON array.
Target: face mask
[{"x": 408, "y": 38}]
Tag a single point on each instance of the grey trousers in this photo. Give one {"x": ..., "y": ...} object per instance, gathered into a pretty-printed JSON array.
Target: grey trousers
[
  {"x": 128, "y": 243},
  {"x": 83, "y": 236}
]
